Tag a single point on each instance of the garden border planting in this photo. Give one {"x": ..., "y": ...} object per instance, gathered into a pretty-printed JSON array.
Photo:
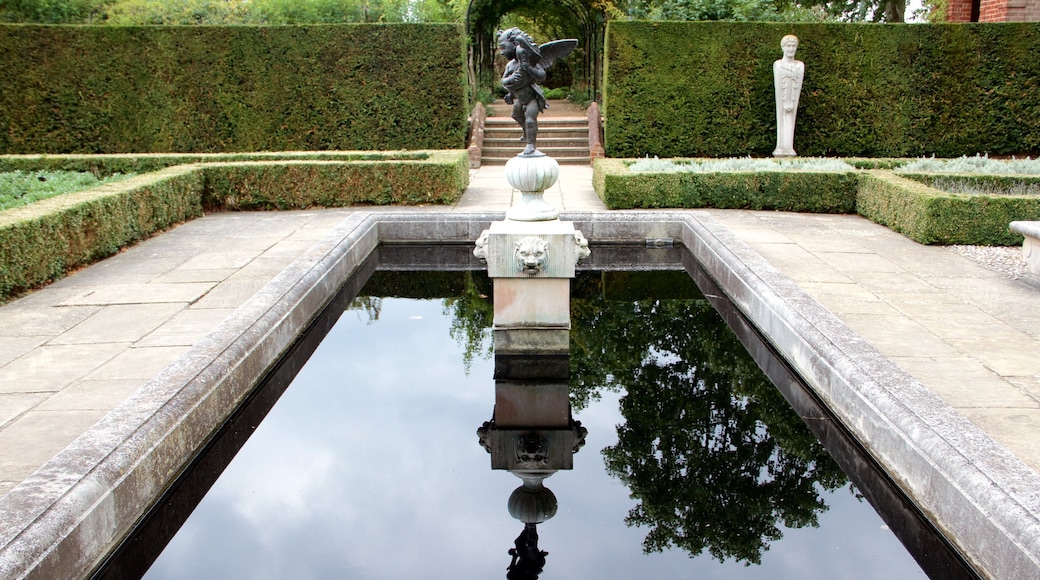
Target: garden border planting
[
  {"x": 45, "y": 240},
  {"x": 900, "y": 201}
]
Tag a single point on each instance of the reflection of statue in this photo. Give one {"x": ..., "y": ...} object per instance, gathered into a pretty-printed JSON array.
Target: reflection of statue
[
  {"x": 528, "y": 560},
  {"x": 787, "y": 79},
  {"x": 525, "y": 69}
]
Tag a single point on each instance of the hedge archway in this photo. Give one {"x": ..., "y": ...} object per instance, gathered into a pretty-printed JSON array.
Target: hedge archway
[{"x": 579, "y": 19}]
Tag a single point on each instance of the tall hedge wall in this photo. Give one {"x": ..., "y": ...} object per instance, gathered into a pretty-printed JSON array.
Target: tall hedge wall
[
  {"x": 82, "y": 89},
  {"x": 705, "y": 89}
]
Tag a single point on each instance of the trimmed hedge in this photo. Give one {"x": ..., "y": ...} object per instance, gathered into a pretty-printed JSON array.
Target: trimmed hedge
[
  {"x": 929, "y": 216},
  {"x": 705, "y": 89},
  {"x": 303, "y": 184},
  {"x": 45, "y": 240},
  {"x": 202, "y": 89},
  {"x": 922, "y": 213},
  {"x": 816, "y": 192},
  {"x": 104, "y": 165}
]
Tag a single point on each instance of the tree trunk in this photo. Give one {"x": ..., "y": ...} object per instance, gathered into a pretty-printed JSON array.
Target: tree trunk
[{"x": 894, "y": 10}]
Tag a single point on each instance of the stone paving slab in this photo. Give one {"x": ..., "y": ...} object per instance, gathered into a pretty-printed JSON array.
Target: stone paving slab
[
  {"x": 81, "y": 346},
  {"x": 968, "y": 334}
]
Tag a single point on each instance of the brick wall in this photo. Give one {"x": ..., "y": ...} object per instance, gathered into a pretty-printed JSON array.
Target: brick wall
[
  {"x": 958, "y": 11},
  {"x": 1023, "y": 11},
  {"x": 995, "y": 11}
]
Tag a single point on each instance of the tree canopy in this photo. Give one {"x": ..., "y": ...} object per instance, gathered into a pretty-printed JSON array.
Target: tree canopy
[
  {"x": 183, "y": 12},
  {"x": 715, "y": 458}
]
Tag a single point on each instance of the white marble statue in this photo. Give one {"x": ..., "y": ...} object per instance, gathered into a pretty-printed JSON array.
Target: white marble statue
[{"x": 787, "y": 79}]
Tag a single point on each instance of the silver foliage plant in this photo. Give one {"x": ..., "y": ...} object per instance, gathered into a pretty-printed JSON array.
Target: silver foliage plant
[
  {"x": 975, "y": 164},
  {"x": 733, "y": 164}
]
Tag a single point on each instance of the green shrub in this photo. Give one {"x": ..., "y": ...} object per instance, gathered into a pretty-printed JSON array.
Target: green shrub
[
  {"x": 656, "y": 165},
  {"x": 980, "y": 184},
  {"x": 557, "y": 93},
  {"x": 303, "y": 184},
  {"x": 705, "y": 89},
  {"x": 46, "y": 239},
  {"x": 974, "y": 164},
  {"x": 821, "y": 192},
  {"x": 929, "y": 216},
  {"x": 208, "y": 89},
  {"x": 19, "y": 188},
  {"x": 909, "y": 204},
  {"x": 105, "y": 165}
]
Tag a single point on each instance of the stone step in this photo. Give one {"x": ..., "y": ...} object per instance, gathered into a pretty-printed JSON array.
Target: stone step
[
  {"x": 565, "y": 139},
  {"x": 514, "y": 128},
  {"x": 561, "y": 160},
  {"x": 552, "y": 151},
  {"x": 541, "y": 121},
  {"x": 543, "y": 142}
]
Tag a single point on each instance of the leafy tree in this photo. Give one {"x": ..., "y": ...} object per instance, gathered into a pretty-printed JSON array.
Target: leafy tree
[
  {"x": 187, "y": 12},
  {"x": 735, "y": 10},
  {"x": 50, "y": 11},
  {"x": 713, "y": 454},
  {"x": 767, "y": 10}
]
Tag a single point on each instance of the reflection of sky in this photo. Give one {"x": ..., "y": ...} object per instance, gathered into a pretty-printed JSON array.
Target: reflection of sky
[{"x": 369, "y": 467}]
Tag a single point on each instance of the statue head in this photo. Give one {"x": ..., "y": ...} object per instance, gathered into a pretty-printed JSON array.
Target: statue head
[
  {"x": 531, "y": 255},
  {"x": 789, "y": 44},
  {"x": 510, "y": 38}
]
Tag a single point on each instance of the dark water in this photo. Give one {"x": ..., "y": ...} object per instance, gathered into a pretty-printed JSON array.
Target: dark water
[{"x": 369, "y": 466}]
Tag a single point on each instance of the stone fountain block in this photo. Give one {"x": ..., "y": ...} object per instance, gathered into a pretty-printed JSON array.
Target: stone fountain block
[
  {"x": 537, "y": 303},
  {"x": 529, "y": 405},
  {"x": 532, "y": 341},
  {"x": 546, "y": 249},
  {"x": 559, "y": 448}
]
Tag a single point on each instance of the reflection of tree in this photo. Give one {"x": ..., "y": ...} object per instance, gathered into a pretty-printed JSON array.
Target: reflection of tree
[
  {"x": 713, "y": 454},
  {"x": 472, "y": 315},
  {"x": 371, "y": 306},
  {"x": 715, "y": 457}
]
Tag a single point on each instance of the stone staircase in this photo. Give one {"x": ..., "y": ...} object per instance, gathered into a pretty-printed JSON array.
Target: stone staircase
[{"x": 565, "y": 139}]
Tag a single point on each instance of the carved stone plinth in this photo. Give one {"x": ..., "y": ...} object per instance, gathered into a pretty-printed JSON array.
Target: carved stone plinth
[
  {"x": 546, "y": 249},
  {"x": 532, "y": 174}
]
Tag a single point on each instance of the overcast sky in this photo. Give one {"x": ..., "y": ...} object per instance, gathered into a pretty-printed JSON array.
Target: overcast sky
[{"x": 369, "y": 467}]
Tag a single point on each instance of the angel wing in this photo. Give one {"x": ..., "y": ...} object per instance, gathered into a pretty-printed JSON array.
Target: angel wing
[{"x": 550, "y": 51}]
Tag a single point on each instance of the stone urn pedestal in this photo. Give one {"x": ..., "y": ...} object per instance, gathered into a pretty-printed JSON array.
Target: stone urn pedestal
[
  {"x": 532, "y": 174},
  {"x": 531, "y": 257}
]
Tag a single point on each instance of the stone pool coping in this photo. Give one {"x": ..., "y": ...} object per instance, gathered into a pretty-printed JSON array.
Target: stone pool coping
[{"x": 65, "y": 517}]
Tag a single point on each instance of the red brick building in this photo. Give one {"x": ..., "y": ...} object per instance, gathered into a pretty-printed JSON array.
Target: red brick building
[{"x": 993, "y": 11}]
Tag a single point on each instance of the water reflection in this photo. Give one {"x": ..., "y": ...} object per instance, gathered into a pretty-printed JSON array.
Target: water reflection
[
  {"x": 532, "y": 434},
  {"x": 715, "y": 458},
  {"x": 367, "y": 466}
]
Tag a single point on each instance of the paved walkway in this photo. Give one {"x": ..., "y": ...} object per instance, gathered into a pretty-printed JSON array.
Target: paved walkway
[{"x": 71, "y": 352}]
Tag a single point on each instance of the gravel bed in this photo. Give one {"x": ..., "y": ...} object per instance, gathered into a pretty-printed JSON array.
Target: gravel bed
[{"x": 1007, "y": 260}]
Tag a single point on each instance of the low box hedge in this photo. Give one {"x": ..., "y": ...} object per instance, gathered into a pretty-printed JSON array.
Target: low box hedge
[
  {"x": 802, "y": 191},
  {"x": 296, "y": 184},
  {"x": 103, "y": 165},
  {"x": 931, "y": 216},
  {"x": 906, "y": 203},
  {"x": 45, "y": 240}
]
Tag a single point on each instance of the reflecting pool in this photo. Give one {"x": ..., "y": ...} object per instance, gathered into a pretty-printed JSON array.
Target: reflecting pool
[{"x": 369, "y": 465}]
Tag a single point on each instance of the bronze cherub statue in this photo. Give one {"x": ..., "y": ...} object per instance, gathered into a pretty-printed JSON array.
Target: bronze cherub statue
[{"x": 525, "y": 69}]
